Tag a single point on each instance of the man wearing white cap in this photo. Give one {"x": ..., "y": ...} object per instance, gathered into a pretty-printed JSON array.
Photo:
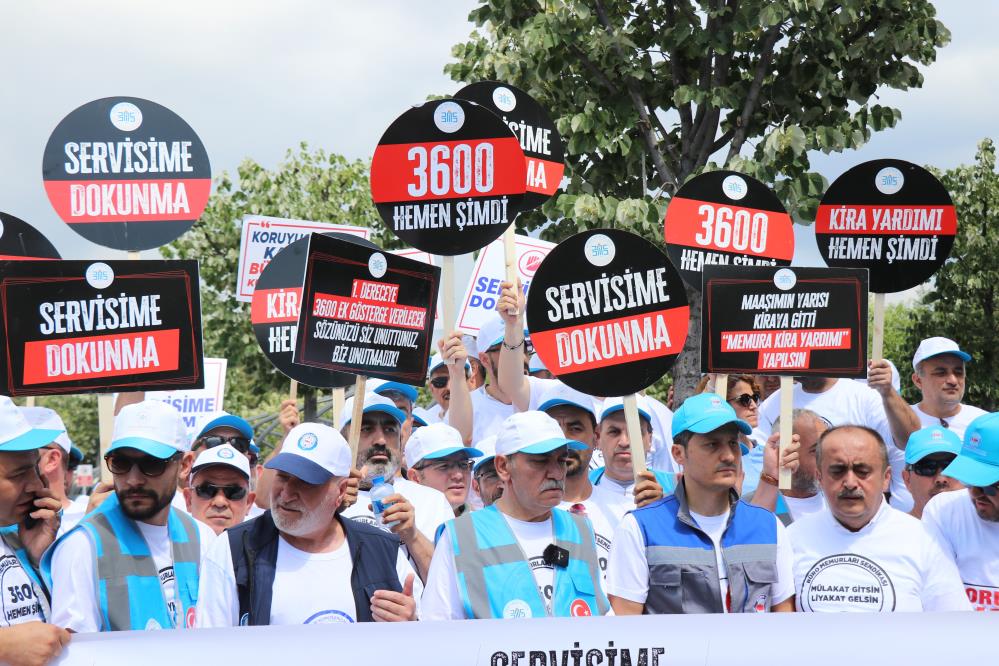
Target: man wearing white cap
[
  {"x": 927, "y": 453},
  {"x": 938, "y": 373},
  {"x": 437, "y": 458},
  {"x": 134, "y": 562},
  {"x": 536, "y": 368},
  {"x": 53, "y": 464},
  {"x": 302, "y": 562},
  {"x": 520, "y": 557},
  {"x": 485, "y": 481},
  {"x": 225, "y": 428},
  {"x": 219, "y": 494},
  {"x": 416, "y": 511}
]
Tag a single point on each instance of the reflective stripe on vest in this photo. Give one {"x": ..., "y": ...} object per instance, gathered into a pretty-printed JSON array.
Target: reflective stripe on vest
[{"x": 493, "y": 572}]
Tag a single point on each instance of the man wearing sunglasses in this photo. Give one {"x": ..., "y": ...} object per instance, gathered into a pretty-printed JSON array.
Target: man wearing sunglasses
[
  {"x": 225, "y": 428},
  {"x": 133, "y": 563},
  {"x": 927, "y": 453},
  {"x": 939, "y": 374},
  {"x": 966, "y": 524},
  {"x": 219, "y": 494},
  {"x": 437, "y": 458}
]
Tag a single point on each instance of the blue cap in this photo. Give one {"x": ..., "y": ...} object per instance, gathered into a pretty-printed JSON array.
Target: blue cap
[
  {"x": 705, "y": 412},
  {"x": 75, "y": 455},
  {"x": 381, "y": 387},
  {"x": 931, "y": 440},
  {"x": 616, "y": 404},
  {"x": 227, "y": 420},
  {"x": 978, "y": 462},
  {"x": 562, "y": 394}
]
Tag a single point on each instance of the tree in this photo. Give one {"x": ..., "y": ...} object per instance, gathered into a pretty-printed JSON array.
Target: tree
[{"x": 648, "y": 94}]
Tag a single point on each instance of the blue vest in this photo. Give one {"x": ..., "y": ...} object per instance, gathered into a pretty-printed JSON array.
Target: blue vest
[
  {"x": 667, "y": 481},
  {"x": 495, "y": 579},
  {"x": 128, "y": 583}
]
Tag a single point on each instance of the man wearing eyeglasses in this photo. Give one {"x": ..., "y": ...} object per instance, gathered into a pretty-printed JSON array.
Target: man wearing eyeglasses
[
  {"x": 966, "y": 524},
  {"x": 927, "y": 453},
  {"x": 485, "y": 480},
  {"x": 437, "y": 458},
  {"x": 134, "y": 563},
  {"x": 939, "y": 374},
  {"x": 219, "y": 494}
]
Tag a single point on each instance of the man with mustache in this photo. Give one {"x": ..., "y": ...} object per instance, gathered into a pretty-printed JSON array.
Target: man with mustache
[
  {"x": 860, "y": 554},
  {"x": 520, "y": 557},
  {"x": 939, "y": 374},
  {"x": 135, "y": 562},
  {"x": 701, "y": 549},
  {"x": 927, "y": 453},
  {"x": 219, "y": 493},
  {"x": 438, "y": 459},
  {"x": 301, "y": 562}
]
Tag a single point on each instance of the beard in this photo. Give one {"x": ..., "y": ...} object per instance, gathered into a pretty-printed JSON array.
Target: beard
[
  {"x": 305, "y": 522},
  {"x": 159, "y": 502},
  {"x": 805, "y": 484},
  {"x": 385, "y": 469},
  {"x": 574, "y": 466}
]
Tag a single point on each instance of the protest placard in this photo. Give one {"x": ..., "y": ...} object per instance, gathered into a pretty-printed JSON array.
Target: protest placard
[
  {"x": 198, "y": 406},
  {"x": 20, "y": 240}
]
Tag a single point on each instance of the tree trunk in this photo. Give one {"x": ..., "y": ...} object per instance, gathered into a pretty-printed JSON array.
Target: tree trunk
[{"x": 687, "y": 370}]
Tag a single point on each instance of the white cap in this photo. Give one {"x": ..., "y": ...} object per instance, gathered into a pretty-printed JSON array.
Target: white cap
[
  {"x": 487, "y": 446},
  {"x": 225, "y": 454},
  {"x": 491, "y": 332},
  {"x": 436, "y": 361},
  {"x": 936, "y": 346},
  {"x": 151, "y": 426},
  {"x": 561, "y": 394},
  {"x": 15, "y": 431},
  {"x": 372, "y": 403},
  {"x": 47, "y": 419},
  {"x": 436, "y": 440},
  {"x": 612, "y": 405},
  {"x": 536, "y": 364},
  {"x": 314, "y": 453},
  {"x": 532, "y": 432},
  {"x": 471, "y": 345}
]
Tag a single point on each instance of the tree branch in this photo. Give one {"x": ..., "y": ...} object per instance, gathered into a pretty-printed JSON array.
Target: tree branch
[
  {"x": 686, "y": 121},
  {"x": 595, "y": 71},
  {"x": 742, "y": 123}
]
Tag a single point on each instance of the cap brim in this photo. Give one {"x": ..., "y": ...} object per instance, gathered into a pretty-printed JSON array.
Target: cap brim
[
  {"x": 147, "y": 446},
  {"x": 964, "y": 356},
  {"x": 76, "y": 455},
  {"x": 479, "y": 463},
  {"x": 451, "y": 450},
  {"x": 550, "y": 445},
  {"x": 555, "y": 402},
  {"x": 914, "y": 454},
  {"x": 301, "y": 468},
  {"x": 229, "y": 421},
  {"x": 35, "y": 438},
  {"x": 971, "y": 472},
  {"x": 392, "y": 411},
  {"x": 620, "y": 408},
  {"x": 216, "y": 463},
  {"x": 404, "y": 389},
  {"x": 712, "y": 423},
  {"x": 418, "y": 420}
]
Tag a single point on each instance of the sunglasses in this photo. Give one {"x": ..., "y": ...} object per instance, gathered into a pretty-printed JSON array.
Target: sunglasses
[
  {"x": 931, "y": 467},
  {"x": 148, "y": 465},
  {"x": 440, "y": 382},
  {"x": 241, "y": 444},
  {"x": 210, "y": 490},
  {"x": 990, "y": 491},
  {"x": 745, "y": 400},
  {"x": 445, "y": 466}
]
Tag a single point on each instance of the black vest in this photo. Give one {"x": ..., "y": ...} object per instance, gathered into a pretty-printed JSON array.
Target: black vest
[{"x": 254, "y": 548}]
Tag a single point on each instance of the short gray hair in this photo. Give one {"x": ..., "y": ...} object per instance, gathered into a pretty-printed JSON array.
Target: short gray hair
[{"x": 799, "y": 414}]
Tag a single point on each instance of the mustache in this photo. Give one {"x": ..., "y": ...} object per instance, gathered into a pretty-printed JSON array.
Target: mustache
[
  {"x": 553, "y": 484},
  {"x": 378, "y": 450},
  {"x": 850, "y": 494},
  {"x": 724, "y": 467},
  {"x": 140, "y": 493}
]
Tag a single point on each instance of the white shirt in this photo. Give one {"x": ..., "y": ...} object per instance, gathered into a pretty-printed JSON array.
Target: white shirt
[
  {"x": 488, "y": 414},
  {"x": 972, "y": 543},
  {"x": 799, "y": 507},
  {"x": 74, "y": 576},
  {"x": 714, "y": 527},
  {"x": 628, "y": 573},
  {"x": 442, "y": 600},
  {"x": 431, "y": 414},
  {"x": 431, "y": 507},
  {"x": 605, "y": 510},
  {"x": 73, "y": 514},
  {"x": 891, "y": 564},
  {"x": 846, "y": 402},
  {"x": 309, "y": 588},
  {"x": 957, "y": 423},
  {"x": 20, "y": 599}
]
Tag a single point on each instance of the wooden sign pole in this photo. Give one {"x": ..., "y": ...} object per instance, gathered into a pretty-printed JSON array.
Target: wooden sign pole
[
  {"x": 786, "y": 428},
  {"x": 635, "y": 442},
  {"x": 357, "y": 414}
]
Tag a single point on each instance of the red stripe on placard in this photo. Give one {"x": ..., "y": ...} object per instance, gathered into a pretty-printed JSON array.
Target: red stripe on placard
[
  {"x": 165, "y": 200},
  {"x": 340, "y": 308},
  {"x": 544, "y": 177},
  {"x": 790, "y": 340},
  {"x": 72, "y": 359},
  {"x": 725, "y": 228},
  {"x": 273, "y": 306},
  {"x": 886, "y": 220},
  {"x": 793, "y": 359},
  {"x": 14, "y": 257},
  {"x": 613, "y": 341},
  {"x": 398, "y": 175}
]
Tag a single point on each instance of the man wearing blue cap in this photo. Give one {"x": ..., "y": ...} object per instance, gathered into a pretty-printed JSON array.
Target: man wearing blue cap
[
  {"x": 966, "y": 524},
  {"x": 702, "y": 550},
  {"x": 133, "y": 563},
  {"x": 225, "y": 428},
  {"x": 939, "y": 374},
  {"x": 927, "y": 453},
  {"x": 520, "y": 557}
]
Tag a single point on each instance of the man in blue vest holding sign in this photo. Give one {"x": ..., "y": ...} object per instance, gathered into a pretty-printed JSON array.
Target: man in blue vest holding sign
[
  {"x": 134, "y": 563},
  {"x": 520, "y": 557}
]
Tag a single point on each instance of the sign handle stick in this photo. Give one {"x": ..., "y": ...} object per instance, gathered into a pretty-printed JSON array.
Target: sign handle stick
[
  {"x": 105, "y": 422},
  {"x": 133, "y": 256},
  {"x": 878, "y": 343},
  {"x": 30, "y": 401},
  {"x": 447, "y": 283},
  {"x": 721, "y": 386},
  {"x": 356, "y": 415},
  {"x": 786, "y": 428},
  {"x": 634, "y": 434},
  {"x": 293, "y": 390},
  {"x": 338, "y": 400},
  {"x": 510, "y": 256}
]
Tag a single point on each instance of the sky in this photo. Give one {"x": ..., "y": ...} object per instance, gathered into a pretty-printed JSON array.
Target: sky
[{"x": 255, "y": 78}]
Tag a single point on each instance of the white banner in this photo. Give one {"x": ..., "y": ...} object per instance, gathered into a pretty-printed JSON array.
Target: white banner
[
  {"x": 794, "y": 639},
  {"x": 490, "y": 269},
  {"x": 198, "y": 405},
  {"x": 263, "y": 237}
]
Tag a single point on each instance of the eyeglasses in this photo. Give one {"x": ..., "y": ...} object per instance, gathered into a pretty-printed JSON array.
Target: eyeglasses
[
  {"x": 991, "y": 491},
  {"x": 445, "y": 466},
  {"x": 241, "y": 444},
  {"x": 148, "y": 465},
  {"x": 745, "y": 399},
  {"x": 931, "y": 467},
  {"x": 210, "y": 490},
  {"x": 440, "y": 382}
]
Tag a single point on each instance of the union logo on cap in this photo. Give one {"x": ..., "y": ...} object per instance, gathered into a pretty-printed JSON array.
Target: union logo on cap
[
  {"x": 716, "y": 402},
  {"x": 308, "y": 441},
  {"x": 225, "y": 453},
  {"x": 975, "y": 441},
  {"x": 936, "y": 434}
]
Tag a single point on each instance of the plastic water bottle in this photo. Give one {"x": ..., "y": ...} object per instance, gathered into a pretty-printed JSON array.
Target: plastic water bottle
[{"x": 380, "y": 489}]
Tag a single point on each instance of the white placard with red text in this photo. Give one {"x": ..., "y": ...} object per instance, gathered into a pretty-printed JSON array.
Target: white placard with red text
[{"x": 198, "y": 405}]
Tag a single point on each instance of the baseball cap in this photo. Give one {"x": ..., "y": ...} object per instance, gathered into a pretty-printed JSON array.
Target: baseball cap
[
  {"x": 151, "y": 426},
  {"x": 705, "y": 412},
  {"x": 17, "y": 433},
  {"x": 936, "y": 346},
  {"x": 418, "y": 421},
  {"x": 314, "y": 453},
  {"x": 532, "y": 432},
  {"x": 612, "y": 405},
  {"x": 561, "y": 394},
  {"x": 931, "y": 440},
  {"x": 487, "y": 446},
  {"x": 75, "y": 455},
  {"x": 978, "y": 462},
  {"x": 372, "y": 403},
  {"x": 436, "y": 361},
  {"x": 226, "y": 455},
  {"x": 381, "y": 387},
  {"x": 47, "y": 419},
  {"x": 471, "y": 346},
  {"x": 536, "y": 364},
  {"x": 227, "y": 420},
  {"x": 491, "y": 332},
  {"x": 436, "y": 441}
]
